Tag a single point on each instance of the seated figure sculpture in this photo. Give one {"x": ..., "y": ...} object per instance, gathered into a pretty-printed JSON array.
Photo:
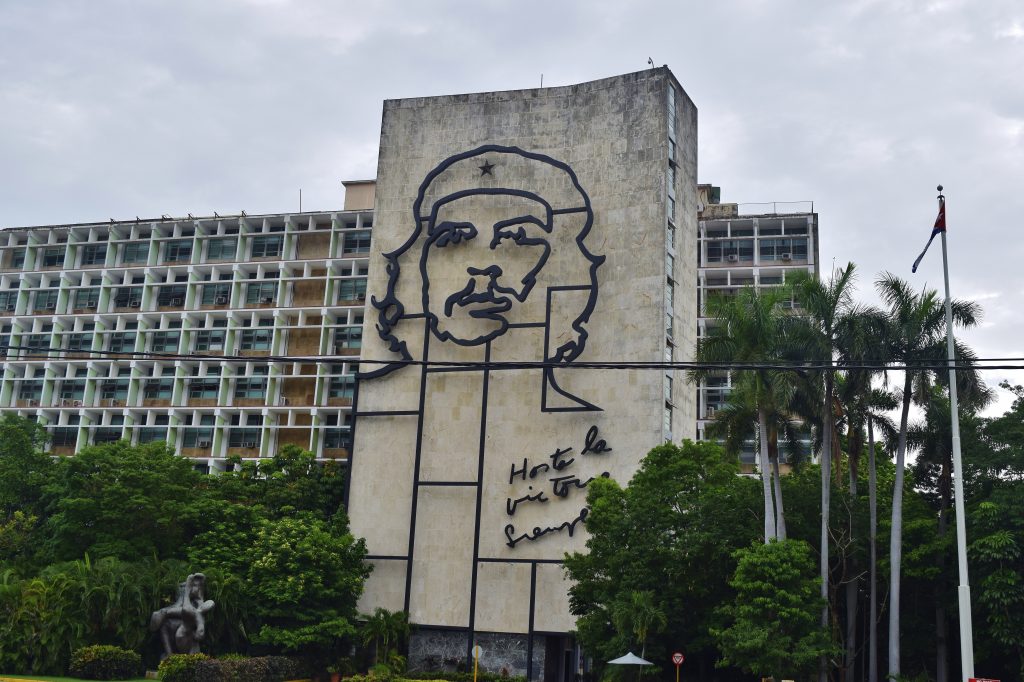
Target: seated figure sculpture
[{"x": 182, "y": 625}]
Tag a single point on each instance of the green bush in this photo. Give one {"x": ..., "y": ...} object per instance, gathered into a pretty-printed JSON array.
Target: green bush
[
  {"x": 181, "y": 667},
  {"x": 234, "y": 668},
  {"x": 462, "y": 676},
  {"x": 103, "y": 662}
]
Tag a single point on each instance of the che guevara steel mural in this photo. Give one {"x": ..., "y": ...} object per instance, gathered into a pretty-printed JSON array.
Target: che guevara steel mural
[{"x": 489, "y": 227}]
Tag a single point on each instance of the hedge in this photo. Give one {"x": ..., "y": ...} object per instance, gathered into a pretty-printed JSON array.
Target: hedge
[
  {"x": 103, "y": 662},
  {"x": 231, "y": 668}
]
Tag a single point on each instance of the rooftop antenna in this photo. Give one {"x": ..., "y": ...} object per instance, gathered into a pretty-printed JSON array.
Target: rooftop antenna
[
  {"x": 300, "y": 200},
  {"x": 651, "y": 62},
  {"x": 542, "y": 80}
]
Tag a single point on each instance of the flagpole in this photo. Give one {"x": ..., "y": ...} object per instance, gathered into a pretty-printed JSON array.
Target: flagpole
[{"x": 964, "y": 589}]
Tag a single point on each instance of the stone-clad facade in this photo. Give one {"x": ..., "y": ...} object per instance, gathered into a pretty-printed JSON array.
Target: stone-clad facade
[{"x": 545, "y": 229}]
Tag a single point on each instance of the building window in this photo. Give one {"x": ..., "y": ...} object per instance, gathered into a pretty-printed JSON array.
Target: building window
[
  {"x": 251, "y": 387},
  {"x": 173, "y": 295},
  {"x": 18, "y": 259},
  {"x": 348, "y": 338},
  {"x": 667, "y": 419},
  {"x": 152, "y": 434},
  {"x": 209, "y": 339},
  {"x": 135, "y": 252},
  {"x": 64, "y": 436},
  {"x": 122, "y": 342},
  {"x": 178, "y": 250},
  {"x": 107, "y": 434},
  {"x": 244, "y": 438},
  {"x": 46, "y": 299},
  {"x": 53, "y": 258},
  {"x": 216, "y": 294},
  {"x": 165, "y": 341},
  {"x": 731, "y": 251},
  {"x": 204, "y": 388},
  {"x": 8, "y": 300},
  {"x": 256, "y": 339},
  {"x": 352, "y": 289},
  {"x": 221, "y": 249},
  {"x": 79, "y": 341},
  {"x": 337, "y": 438},
  {"x": 357, "y": 242},
  {"x": 783, "y": 249},
  {"x": 342, "y": 387},
  {"x": 262, "y": 292},
  {"x": 87, "y": 298},
  {"x": 114, "y": 389},
  {"x": 72, "y": 390},
  {"x": 94, "y": 254},
  {"x": 30, "y": 390},
  {"x": 128, "y": 297},
  {"x": 267, "y": 247},
  {"x": 158, "y": 389},
  {"x": 201, "y": 437},
  {"x": 669, "y": 309},
  {"x": 37, "y": 341}
]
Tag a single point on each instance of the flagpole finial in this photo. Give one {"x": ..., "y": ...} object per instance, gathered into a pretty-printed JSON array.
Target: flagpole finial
[{"x": 939, "y": 188}]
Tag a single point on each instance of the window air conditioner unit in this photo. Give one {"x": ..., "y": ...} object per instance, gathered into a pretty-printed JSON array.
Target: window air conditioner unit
[
  {"x": 134, "y": 304},
  {"x": 787, "y": 256},
  {"x": 216, "y": 346},
  {"x": 76, "y": 403},
  {"x": 220, "y": 300},
  {"x": 177, "y": 301},
  {"x": 249, "y": 444},
  {"x": 91, "y": 304},
  {"x": 33, "y": 403},
  {"x": 112, "y": 402},
  {"x": 732, "y": 258},
  {"x": 202, "y": 443},
  {"x": 50, "y": 306},
  {"x": 65, "y": 403},
  {"x": 267, "y": 299},
  {"x": 11, "y": 307}
]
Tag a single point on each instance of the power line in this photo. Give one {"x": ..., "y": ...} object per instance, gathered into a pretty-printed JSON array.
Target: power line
[{"x": 780, "y": 365}]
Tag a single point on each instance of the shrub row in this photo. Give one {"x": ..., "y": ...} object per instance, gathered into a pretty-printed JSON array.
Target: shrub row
[
  {"x": 482, "y": 676},
  {"x": 103, "y": 662},
  {"x": 200, "y": 668}
]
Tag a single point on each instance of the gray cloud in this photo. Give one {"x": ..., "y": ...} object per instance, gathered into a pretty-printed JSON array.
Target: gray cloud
[{"x": 123, "y": 108}]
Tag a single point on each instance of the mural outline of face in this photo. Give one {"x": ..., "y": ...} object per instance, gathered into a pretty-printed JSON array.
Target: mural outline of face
[{"x": 481, "y": 258}]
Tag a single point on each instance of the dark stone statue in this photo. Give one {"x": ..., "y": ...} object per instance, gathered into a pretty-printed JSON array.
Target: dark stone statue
[{"x": 182, "y": 625}]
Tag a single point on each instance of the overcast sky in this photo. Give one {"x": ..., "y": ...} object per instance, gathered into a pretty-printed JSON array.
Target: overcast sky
[{"x": 117, "y": 109}]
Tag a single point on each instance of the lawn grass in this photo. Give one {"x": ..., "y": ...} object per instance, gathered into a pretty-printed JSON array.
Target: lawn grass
[{"x": 50, "y": 678}]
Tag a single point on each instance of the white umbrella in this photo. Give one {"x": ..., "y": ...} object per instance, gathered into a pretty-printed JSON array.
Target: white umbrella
[{"x": 630, "y": 659}]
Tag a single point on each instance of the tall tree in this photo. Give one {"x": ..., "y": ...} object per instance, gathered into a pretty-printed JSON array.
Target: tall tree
[
  {"x": 915, "y": 336},
  {"x": 751, "y": 329},
  {"x": 827, "y": 316}
]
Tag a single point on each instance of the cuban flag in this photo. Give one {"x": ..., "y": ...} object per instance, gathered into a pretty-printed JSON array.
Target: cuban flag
[{"x": 940, "y": 226}]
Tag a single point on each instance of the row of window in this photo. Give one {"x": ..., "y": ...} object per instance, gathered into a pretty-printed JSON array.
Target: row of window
[
  {"x": 163, "y": 389},
  {"x": 256, "y": 293},
  {"x": 742, "y": 250},
  {"x": 67, "y": 436},
  {"x": 177, "y": 251}
]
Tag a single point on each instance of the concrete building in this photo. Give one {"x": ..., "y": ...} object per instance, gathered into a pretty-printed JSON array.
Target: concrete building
[
  {"x": 549, "y": 228},
  {"x": 161, "y": 330},
  {"x": 746, "y": 245}
]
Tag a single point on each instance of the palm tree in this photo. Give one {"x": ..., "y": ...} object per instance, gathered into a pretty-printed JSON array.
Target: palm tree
[
  {"x": 915, "y": 336},
  {"x": 828, "y": 318},
  {"x": 637, "y": 615},
  {"x": 382, "y": 628},
  {"x": 750, "y": 331}
]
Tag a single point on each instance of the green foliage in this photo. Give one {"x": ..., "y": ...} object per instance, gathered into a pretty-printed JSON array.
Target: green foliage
[
  {"x": 246, "y": 669},
  {"x": 482, "y": 676},
  {"x": 383, "y": 628},
  {"x": 772, "y": 626},
  {"x": 24, "y": 467},
  {"x": 670, "y": 534},
  {"x": 123, "y": 501},
  {"x": 181, "y": 667},
  {"x": 301, "y": 575},
  {"x": 104, "y": 662}
]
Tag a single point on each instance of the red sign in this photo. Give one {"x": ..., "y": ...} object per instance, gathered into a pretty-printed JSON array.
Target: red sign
[
  {"x": 677, "y": 658},
  {"x": 981, "y": 679}
]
